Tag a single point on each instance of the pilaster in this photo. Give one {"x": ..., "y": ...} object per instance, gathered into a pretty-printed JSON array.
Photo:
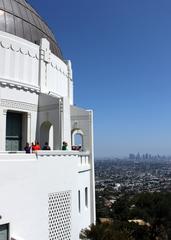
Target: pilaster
[
  {"x": 3, "y": 118},
  {"x": 45, "y": 56},
  {"x": 66, "y": 122},
  {"x": 29, "y": 127},
  {"x": 70, "y": 82}
]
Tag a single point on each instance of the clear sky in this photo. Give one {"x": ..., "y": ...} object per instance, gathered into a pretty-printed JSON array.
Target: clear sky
[{"x": 121, "y": 56}]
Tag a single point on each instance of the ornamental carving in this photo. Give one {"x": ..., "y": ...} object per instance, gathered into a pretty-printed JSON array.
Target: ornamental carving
[
  {"x": 15, "y": 48},
  {"x": 18, "y": 105}
]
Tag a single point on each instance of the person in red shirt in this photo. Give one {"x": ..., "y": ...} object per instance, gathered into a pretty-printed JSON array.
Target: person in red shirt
[
  {"x": 32, "y": 146},
  {"x": 37, "y": 146}
]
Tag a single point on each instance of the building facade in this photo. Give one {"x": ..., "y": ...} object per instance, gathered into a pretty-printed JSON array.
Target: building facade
[{"x": 45, "y": 194}]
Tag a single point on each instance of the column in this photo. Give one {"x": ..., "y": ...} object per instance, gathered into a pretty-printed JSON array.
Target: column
[
  {"x": 66, "y": 122},
  {"x": 29, "y": 127},
  {"x": 3, "y": 119},
  {"x": 45, "y": 55}
]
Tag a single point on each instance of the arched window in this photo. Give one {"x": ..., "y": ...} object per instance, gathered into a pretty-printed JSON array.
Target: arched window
[
  {"x": 46, "y": 134},
  {"x": 77, "y": 140}
]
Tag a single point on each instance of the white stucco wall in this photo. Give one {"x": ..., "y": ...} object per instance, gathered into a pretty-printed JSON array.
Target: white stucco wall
[
  {"x": 24, "y": 188},
  {"x": 82, "y": 119},
  {"x": 57, "y": 76},
  {"x": 19, "y": 60},
  {"x": 26, "y": 72},
  {"x": 21, "y": 63}
]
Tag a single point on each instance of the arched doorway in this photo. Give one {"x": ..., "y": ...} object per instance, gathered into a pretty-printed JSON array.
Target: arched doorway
[
  {"x": 77, "y": 140},
  {"x": 46, "y": 134}
]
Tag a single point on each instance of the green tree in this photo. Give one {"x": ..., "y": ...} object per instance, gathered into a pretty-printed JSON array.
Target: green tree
[{"x": 104, "y": 232}]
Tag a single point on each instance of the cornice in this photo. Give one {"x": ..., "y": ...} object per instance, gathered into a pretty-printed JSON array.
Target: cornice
[{"x": 19, "y": 85}]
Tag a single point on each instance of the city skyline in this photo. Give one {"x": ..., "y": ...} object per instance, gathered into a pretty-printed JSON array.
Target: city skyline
[{"x": 121, "y": 56}]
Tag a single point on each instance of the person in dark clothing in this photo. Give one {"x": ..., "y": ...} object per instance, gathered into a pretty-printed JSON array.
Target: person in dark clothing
[
  {"x": 64, "y": 146},
  {"x": 27, "y": 148},
  {"x": 46, "y": 146}
]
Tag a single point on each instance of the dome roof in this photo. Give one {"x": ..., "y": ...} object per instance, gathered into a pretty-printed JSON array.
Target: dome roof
[{"x": 19, "y": 18}]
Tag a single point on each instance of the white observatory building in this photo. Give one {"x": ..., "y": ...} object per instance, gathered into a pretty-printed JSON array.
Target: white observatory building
[{"x": 44, "y": 195}]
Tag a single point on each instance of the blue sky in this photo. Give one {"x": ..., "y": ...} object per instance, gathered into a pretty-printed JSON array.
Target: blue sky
[{"x": 121, "y": 56}]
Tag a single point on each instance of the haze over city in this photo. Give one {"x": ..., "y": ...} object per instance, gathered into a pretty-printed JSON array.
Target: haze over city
[{"x": 121, "y": 56}]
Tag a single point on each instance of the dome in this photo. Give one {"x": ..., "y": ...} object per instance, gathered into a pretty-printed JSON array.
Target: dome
[{"x": 19, "y": 18}]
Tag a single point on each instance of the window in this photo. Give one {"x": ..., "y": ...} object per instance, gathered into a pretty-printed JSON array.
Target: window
[
  {"x": 77, "y": 140},
  {"x": 79, "y": 201},
  {"x": 86, "y": 197}
]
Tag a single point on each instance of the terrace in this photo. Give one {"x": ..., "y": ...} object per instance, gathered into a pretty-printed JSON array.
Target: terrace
[{"x": 82, "y": 158}]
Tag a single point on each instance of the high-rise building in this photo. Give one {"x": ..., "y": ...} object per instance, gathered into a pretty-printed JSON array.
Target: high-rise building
[{"x": 45, "y": 194}]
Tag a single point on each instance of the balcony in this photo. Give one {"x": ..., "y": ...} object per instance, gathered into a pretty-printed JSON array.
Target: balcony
[{"x": 82, "y": 159}]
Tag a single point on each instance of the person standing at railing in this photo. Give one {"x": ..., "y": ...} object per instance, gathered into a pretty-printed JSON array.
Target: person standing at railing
[
  {"x": 46, "y": 146},
  {"x": 27, "y": 148},
  {"x": 32, "y": 147},
  {"x": 37, "y": 146},
  {"x": 64, "y": 146}
]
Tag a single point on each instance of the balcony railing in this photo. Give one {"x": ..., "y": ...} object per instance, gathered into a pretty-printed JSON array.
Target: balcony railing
[{"x": 83, "y": 157}]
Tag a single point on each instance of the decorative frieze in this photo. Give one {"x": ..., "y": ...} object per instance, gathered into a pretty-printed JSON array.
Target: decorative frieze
[
  {"x": 81, "y": 117},
  {"x": 18, "y": 105},
  {"x": 59, "y": 69},
  {"x": 33, "y": 53},
  {"x": 16, "y": 48},
  {"x": 17, "y": 85}
]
